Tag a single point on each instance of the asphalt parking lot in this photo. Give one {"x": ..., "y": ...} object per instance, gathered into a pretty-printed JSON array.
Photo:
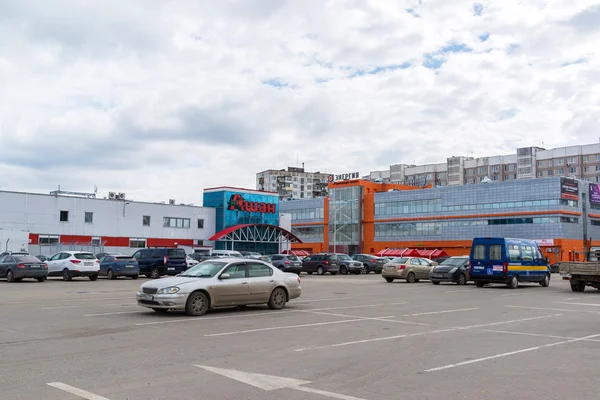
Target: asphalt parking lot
[{"x": 347, "y": 337}]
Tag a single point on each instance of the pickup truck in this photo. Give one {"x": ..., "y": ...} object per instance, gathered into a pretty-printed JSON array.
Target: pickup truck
[{"x": 581, "y": 274}]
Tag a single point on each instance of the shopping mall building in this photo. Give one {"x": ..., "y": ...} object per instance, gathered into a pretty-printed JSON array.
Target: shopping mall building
[
  {"x": 362, "y": 216},
  {"x": 358, "y": 216}
]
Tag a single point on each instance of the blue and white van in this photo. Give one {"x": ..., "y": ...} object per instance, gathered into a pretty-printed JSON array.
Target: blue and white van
[{"x": 507, "y": 261}]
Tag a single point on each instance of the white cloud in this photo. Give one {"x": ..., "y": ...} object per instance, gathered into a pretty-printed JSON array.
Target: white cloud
[{"x": 161, "y": 99}]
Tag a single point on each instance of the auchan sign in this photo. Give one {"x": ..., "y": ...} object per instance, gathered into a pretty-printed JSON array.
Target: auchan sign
[{"x": 238, "y": 203}]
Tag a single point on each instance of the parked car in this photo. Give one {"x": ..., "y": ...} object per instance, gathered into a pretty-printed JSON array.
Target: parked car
[
  {"x": 266, "y": 259},
  {"x": 100, "y": 255},
  {"x": 14, "y": 253},
  {"x": 226, "y": 254},
  {"x": 73, "y": 264},
  {"x": 453, "y": 269},
  {"x": 410, "y": 268},
  {"x": 287, "y": 263},
  {"x": 321, "y": 264},
  {"x": 190, "y": 261},
  {"x": 113, "y": 266},
  {"x": 161, "y": 261},
  {"x": 348, "y": 265},
  {"x": 221, "y": 283},
  {"x": 251, "y": 253},
  {"x": 371, "y": 263},
  {"x": 17, "y": 267},
  {"x": 199, "y": 257}
]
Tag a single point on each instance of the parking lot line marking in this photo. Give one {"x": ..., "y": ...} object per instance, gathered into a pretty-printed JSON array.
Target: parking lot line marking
[
  {"x": 114, "y": 313},
  {"x": 384, "y": 319},
  {"x": 68, "y": 300},
  {"x": 554, "y": 309},
  {"x": 361, "y": 306},
  {"x": 169, "y": 320},
  {"x": 515, "y": 294},
  {"x": 423, "y": 333},
  {"x": 91, "y": 305},
  {"x": 329, "y": 299},
  {"x": 76, "y": 391},
  {"x": 527, "y": 334},
  {"x": 510, "y": 353},
  {"x": 440, "y": 312},
  {"x": 578, "y": 304},
  {"x": 54, "y": 308},
  {"x": 325, "y": 393},
  {"x": 274, "y": 328},
  {"x": 510, "y": 322},
  {"x": 7, "y": 330}
]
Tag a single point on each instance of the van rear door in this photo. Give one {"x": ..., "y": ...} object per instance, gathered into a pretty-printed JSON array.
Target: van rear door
[{"x": 487, "y": 258}]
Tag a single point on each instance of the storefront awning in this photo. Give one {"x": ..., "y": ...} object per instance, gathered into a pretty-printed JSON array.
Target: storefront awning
[
  {"x": 299, "y": 253},
  {"x": 258, "y": 233}
]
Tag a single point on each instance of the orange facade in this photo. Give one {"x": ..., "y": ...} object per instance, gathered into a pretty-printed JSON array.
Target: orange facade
[{"x": 561, "y": 250}]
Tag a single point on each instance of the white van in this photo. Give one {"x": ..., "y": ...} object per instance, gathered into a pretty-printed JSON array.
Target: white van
[{"x": 226, "y": 253}]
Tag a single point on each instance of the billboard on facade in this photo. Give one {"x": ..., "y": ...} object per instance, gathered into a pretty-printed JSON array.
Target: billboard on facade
[
  {"x": 569, "y": 189},
  {"x": 594, "y": 193}
]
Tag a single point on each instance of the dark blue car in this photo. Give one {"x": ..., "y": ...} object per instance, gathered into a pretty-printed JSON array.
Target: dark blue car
[{"x": 113, "y": 266}]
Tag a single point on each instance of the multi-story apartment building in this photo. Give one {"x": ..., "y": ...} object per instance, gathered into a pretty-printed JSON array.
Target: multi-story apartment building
[
  {"x": 293, "y": 183},
  {"x": 581, "y": 162}
]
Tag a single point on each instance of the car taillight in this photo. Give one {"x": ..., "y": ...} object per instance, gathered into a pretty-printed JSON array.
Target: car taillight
[
  {"x": 20, "y": 265},
  {"x": 373, "y": 261},
  {"x": 401, "y": 267},
  {"x": 165, "y": 259},
  {"x": 505, "y": 265},
  {"x": 75, "y": 261},
  {"x": 287, "y": 262},
  {"x": 46, "y": 266},
  {"x": 298, "y": 279},
  {"x": 326, "y": 262},
  {"x": 470, "y": 267},
  {"x": 116, "y": 260}
]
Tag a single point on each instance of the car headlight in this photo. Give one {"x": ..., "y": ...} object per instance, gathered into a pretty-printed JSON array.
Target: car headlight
[
  {"x": 453, "y": 270},
  {"x": 168, "y": 290}
]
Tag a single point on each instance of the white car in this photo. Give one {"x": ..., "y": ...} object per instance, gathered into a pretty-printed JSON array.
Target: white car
[
  {"x": 191, "y": 262},
  {"x": 71, "y": 264}
]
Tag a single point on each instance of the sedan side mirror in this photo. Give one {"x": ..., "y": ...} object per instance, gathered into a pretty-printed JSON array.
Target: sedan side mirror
[{"x": 225, "y": 276}]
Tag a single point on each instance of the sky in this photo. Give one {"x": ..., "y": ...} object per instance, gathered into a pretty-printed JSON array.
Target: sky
[{"x": 159, "y": 99}]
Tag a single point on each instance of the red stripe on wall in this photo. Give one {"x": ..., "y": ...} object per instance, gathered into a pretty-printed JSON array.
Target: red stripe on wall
[
  {"x": 75, "y": 239},
  {"x": 150, "y": 242},
  {"x": 34, "y": 238},
  {"x": 115, "y": 241}
]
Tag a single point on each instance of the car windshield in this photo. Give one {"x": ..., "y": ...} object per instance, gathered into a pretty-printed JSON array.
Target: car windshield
[
  {"x": 84, "y": 256},
  {"x": 399, "y": 260},
  {"x": 206, "y": 269},
  {"x": 344, "y": 257},
  {"x": 27, "y": 259},
  {"x": 454, "y": 262},
  {"x": 123, "y": 258}
]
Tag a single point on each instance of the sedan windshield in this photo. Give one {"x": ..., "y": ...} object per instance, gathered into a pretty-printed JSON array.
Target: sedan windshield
[
  {"x": 399, "y": 260},
  {"x": 454, "y": 262},
  {"x": 206, "y": 269},
  {"x": 344, "y": 257}
]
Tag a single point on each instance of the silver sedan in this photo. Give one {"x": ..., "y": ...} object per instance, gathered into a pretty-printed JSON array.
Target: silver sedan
[{"x": 221, "y": 282}]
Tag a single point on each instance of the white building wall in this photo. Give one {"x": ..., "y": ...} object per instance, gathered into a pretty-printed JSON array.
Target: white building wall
[
  {"x": 40, "y": 214},
  {"x": 13, "y": 240}
]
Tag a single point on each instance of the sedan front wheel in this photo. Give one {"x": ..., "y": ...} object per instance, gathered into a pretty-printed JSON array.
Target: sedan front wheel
[{"x": 197, "y": 304}]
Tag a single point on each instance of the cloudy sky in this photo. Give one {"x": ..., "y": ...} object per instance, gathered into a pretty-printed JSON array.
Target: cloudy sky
[{"x": 160, "y": 99}]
